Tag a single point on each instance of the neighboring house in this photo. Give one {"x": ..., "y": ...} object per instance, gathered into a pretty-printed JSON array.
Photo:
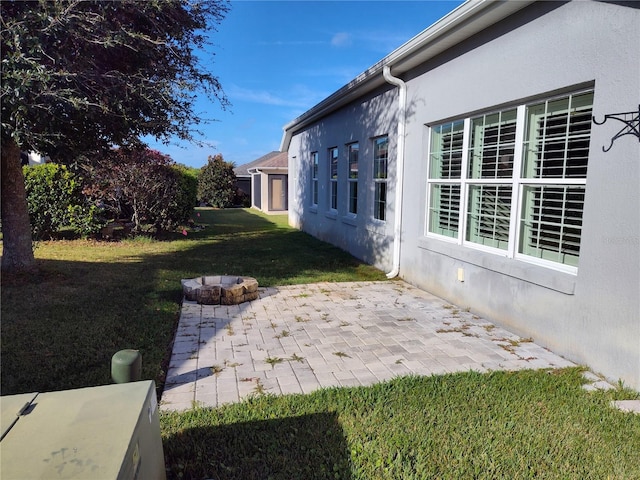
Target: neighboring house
[
  {"x": 467, "y": 163},
  {"x": 33, "y": 158},
  {"x": 265, "y": 181}
]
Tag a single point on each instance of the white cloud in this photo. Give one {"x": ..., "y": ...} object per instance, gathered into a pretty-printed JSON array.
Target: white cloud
[
  {"x": 384, "y": 41},
  {"x": 240, "y": 141},
  {"x": 298, "y": 96},
  {"x": 256, "y": 96},
  {"x": 341, "y": 74},
  {"x": 287, "y": 43},
  {"x": 185, "y": 152},
  {"x": 341, "y": 39}
]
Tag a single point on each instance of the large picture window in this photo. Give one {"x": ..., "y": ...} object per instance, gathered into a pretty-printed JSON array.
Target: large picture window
[
  {"x": 380, "y": 166},
  {"x": 513, "y": 181},
  {"x": 354, "y": 150}
]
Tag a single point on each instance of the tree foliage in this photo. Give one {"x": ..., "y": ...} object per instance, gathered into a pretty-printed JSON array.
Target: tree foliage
[
  {"x": 81, "y": 74},
  {"x": 144, "y": 187},
  {"x": 216, "y": 182},
  {"x": 84, "y": 75}
]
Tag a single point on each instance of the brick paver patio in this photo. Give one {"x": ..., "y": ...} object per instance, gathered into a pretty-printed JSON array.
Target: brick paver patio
[{"x": 297, "y": 339}]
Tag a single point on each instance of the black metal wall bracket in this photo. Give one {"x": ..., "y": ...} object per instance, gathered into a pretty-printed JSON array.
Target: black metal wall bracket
[{"x": 631, "y": 126}]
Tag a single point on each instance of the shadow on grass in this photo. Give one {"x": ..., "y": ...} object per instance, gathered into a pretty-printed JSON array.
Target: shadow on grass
[
  {"x": 306, "y": 447},
  {"x": 61, "y": 327}
]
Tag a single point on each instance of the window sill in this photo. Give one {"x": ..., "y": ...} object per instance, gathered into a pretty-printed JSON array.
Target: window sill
[
  {"x": 332, "y": 214},
  {"x": 377, "y": 227},
  {"x": 313, "y": 209},
  {"x": 349, "y": 219},
  {"x": 545, "y": 277}
]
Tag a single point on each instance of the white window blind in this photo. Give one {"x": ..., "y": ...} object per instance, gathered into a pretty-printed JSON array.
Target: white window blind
[
  {"x": 447, "y": 142},
  {"x": 488, "y": 215},
  {"x": 556, "y": 151},
  {"x": 514, "y": 180},
  {"x": 492, "y": 147}
]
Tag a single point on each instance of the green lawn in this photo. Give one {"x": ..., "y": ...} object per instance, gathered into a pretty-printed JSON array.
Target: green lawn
[
  {"x": 60, "y": 328},
  {"x": 530, "y": 424}
]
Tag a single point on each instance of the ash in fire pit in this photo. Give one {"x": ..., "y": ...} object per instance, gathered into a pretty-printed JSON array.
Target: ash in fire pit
[{"x": 220, "y": 289}]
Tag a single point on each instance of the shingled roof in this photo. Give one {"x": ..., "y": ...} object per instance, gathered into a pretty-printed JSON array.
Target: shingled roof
[{"x": 273, "y": 159}]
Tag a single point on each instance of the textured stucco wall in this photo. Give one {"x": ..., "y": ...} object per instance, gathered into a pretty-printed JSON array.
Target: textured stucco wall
[
  {"x": 362, "y": 236},
  {"x": 592, "y": 317}
]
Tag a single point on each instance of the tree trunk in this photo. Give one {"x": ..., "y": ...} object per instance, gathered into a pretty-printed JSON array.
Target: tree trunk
[{"x": 17, "y": 251}]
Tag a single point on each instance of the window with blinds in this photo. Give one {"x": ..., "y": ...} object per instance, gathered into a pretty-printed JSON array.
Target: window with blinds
[
  {"x": 491, "y": 155},
  {"x": 514, "y": 180},
  {"x": 447, "y": 142},
  {"x": 444, "y": 209},
  {"x": 493, "y": 140},
  {"x": 556, "y": 152},
  {"x": 333, "y": 178},
  {"x": 446, "y": 150},
  {"x": 380, "y": 166},
  {"x": 552, "y": 222},
  {"x": 353, "y": 150},
  {"x": 488, "y": 215},
  {"x": 314, "y": 178},
  {"x": 557, "y": 138}
]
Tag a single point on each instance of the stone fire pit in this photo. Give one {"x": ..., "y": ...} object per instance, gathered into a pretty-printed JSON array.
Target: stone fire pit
[{"x": 220, "y": 289}]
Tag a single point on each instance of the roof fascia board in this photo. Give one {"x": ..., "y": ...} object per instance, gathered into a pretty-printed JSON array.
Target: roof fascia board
[
  {"x": 465, "y": 21},
  {"x": 267, "y": 169}
]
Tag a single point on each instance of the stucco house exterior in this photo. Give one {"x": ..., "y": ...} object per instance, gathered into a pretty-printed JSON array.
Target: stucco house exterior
[
  {"x": 265, "y": 181},
  {"x": 468, "y": 163}
]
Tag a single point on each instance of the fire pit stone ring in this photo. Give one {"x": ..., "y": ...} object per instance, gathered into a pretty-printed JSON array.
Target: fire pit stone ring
[{"x": 220, "y": 289}]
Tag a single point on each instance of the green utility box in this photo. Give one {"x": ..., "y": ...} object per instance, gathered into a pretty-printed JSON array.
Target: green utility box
[{"x": 105, "y": 432}]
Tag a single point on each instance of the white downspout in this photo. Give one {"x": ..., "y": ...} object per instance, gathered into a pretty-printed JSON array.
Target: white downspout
[{"x": 402, "y": 120}]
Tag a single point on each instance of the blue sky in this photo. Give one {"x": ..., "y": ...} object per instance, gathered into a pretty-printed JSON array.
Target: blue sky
[{"x": 277, "y": 59}]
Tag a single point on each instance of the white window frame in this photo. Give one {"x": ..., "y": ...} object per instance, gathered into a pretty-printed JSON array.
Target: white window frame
[
  {"x": 314, "y": 179},
  {"x": 472, "y": 182},
  {"x": 380, "y": 183},
  {"x": 518, "y": 183},
  {"x": 333, "y": 157},
  {"x": 353, "y": 150}
]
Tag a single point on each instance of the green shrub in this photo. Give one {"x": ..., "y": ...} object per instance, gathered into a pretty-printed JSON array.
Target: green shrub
[
  {"x": 85, "y": 219},
  {"x": 216, "y": 183},
  {"x": 55, "y": 201},
  {"x": 187, "y": 194},
  {"x": 178, "y": 199}
]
